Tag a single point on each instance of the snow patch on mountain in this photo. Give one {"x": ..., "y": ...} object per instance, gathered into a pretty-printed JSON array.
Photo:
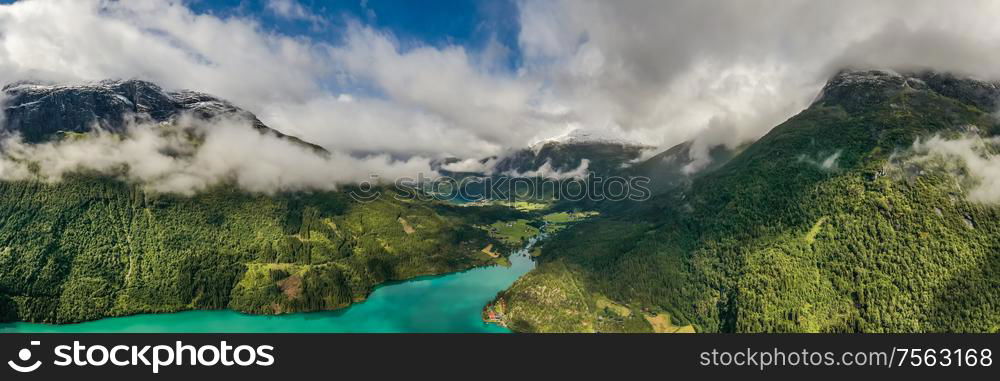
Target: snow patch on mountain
[{"x": 585, "y": 136}]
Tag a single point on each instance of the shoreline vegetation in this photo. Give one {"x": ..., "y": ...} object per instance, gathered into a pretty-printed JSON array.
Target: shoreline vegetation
[{"x": 604, "y": 315}]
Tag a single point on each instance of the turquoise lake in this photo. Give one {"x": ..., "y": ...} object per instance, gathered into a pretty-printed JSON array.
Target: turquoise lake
[{"x": 442, "y": 303}]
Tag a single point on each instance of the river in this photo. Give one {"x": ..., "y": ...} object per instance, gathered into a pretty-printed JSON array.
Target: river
[{"x": 441, "y": 303}]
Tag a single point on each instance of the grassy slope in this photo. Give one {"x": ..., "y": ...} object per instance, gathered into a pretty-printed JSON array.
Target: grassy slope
[
  {"x": 740, "y": 250},
  {"x": 91, "y": 247}
]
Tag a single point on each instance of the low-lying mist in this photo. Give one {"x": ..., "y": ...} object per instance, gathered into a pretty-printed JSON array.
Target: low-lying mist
[
  {"x": 190, "y": 155},
  {"x": 979, "y": 165}
]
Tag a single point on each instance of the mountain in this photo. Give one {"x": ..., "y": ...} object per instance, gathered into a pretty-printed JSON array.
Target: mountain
[
  {"x": 578, "y": 136},
  {"x": 584, "y": 152},
  {"x": 578, "y": 151},
  {"x": 829, "y": 223},
  {"x": 41, "y": 111},
  {"x": 678, "y": 166},
  {"x": 92, "y": 245},
  {"x": 600, "y": 158},
  {"x": 547, "y": 169}
]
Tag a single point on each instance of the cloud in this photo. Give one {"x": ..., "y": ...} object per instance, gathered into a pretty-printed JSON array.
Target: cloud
[
  {"x": 306, "y": 88},
  {"x": 979, "y": 165},
  {"x": 717, "y": 72},
  {"x": 547, "y": 171},
  {"x": 472, "y": 166},
  {"x": 497, "y": 108},
  {"x": 192, "y": 154},
  {"x": 293, "y": 10},
  {"x": 725, "y": 72},
  {"x": 162, "y": 41},
  {"x": 825, "y": 163}
]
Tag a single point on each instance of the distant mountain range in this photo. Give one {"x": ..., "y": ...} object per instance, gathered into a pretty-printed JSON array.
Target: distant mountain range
[{"x": 597, "y": 153}]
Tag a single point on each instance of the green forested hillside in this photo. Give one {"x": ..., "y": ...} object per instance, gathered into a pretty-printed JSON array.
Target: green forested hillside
[
  {"x": 90, "y": 247},
  {"x": 810, "y": 229}
]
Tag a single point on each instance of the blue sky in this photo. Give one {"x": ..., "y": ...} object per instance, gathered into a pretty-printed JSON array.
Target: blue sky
[{"x": 468, "y": 23}]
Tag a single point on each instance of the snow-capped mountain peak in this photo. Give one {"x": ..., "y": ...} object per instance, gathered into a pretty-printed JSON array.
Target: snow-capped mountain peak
[{"x": 585, "y": 136}]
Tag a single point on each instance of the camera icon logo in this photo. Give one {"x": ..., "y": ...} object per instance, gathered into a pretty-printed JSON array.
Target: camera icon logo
[{"x": 24, "y": 355}]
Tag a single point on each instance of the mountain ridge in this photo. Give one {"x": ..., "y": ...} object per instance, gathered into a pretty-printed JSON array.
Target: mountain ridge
[
  {"x": 38, "y": 111},
  {"x": 771, "y": 242}
]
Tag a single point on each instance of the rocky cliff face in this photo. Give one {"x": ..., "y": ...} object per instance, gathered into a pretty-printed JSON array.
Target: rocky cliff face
[
  {"x": 855, "y": 90},
  {"x": 40, "y": 112}
]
